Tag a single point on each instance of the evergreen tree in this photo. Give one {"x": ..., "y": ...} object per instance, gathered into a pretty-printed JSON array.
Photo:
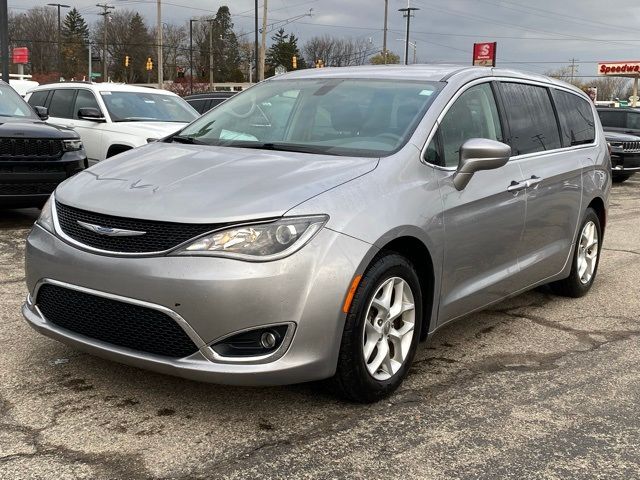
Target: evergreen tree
[
  {"x": 282, "y": 51},
  {"x": 75, "y": 33},
  {"x": 226, "y": 51}
]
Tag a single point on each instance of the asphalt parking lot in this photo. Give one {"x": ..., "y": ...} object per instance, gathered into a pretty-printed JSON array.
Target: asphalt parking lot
[{"x": 537, "y": 387}]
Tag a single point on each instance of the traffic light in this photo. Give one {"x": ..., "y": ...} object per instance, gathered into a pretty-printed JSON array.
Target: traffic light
[
  {"x": 149, "y": 65},
  {"x": 127, "y": 60},
  {"x": 294, "y": 62},
  {"x": 180, "y": 72}
]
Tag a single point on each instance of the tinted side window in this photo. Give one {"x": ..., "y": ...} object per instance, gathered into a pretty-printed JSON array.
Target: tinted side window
[
  {"x": 576, "y": 118},
  {"x": 62, "y": 103},
  {"x": 531, "y": 118},
  {"x": 85, "y": 99},
  {"x": 633, "y": 121},
  {"x": 38, "y": 99},
  {"x": 199, "y": 104},
  {"x": 473, "y": 115},
  {"x": 612, "y": 119}
]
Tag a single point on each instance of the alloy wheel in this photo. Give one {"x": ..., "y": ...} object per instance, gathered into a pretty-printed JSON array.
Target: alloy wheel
[
  {"x": 388, "y": 329},
  {"x": 587, "y": 252}
]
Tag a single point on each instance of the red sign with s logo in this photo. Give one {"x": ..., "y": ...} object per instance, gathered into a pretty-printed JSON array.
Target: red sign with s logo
[{"x": 484, "y": 54}]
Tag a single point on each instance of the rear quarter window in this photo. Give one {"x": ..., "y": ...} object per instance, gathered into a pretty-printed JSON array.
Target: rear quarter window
[
  {"x": 576, "y": 118},
  {"x": 612, "y": 119},
  {"x": 62, "y": 102},
  {"x": 532, "y": 121}
]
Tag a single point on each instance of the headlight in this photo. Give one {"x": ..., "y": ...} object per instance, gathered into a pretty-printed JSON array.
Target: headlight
[
  {"x": 259, "y": 242},
  {"x": 45, "y": 220},
  {"x": 72, "y": 145}
]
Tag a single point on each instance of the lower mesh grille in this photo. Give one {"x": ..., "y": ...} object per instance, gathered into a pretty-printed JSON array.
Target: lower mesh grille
[
  {"x": 121, "y": 324},
  {"x": 27, "y": 188}
]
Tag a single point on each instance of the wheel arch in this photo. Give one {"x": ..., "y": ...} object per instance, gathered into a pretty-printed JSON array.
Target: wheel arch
[
  {"x": 419, "y": 255},
  {"x": 117, "y": 148},
  {"x": 597, "y": 204}
]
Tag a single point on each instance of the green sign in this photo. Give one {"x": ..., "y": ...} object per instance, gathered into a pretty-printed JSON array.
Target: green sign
[
  {"x": 96, "y": 75},
  {"x": 623, "y": 103}
]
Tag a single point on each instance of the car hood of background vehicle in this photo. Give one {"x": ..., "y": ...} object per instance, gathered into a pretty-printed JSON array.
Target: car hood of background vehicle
[
  {"x": 620, "y": 137},
  {"x": 29, "y": 128},
  {"x": 203, "y": 184},
  {"x": 146, "y": 129}
]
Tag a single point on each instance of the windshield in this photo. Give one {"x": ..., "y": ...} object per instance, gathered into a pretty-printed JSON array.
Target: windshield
[
  {"x": 12, "y": 104},
  {"x": 147, "y": 107},
  {"x": 355, "y": 117}
]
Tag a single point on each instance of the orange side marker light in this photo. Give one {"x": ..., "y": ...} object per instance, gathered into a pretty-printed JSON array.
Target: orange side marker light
[{"x": 351, "y": 293}]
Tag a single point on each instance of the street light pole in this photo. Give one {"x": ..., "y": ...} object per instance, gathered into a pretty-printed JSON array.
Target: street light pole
[
  {"x": 4, "y": 39},
  {"x": 191, "y": 54},
  {"x": 59, "y": 5},
  {"x": 159, "y": 61},
  {"x": 384, "y": 38},
  {"x": 256, "y": 52}
]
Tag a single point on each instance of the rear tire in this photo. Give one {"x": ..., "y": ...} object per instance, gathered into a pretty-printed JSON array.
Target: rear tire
[
  {"x": 586, "y": 257},
  {"x": 376, "y": 351},
  {"x": 620, "y": 177}
]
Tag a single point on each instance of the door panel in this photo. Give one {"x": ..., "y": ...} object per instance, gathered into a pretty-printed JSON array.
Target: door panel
[{"x": 483, "y": 225}]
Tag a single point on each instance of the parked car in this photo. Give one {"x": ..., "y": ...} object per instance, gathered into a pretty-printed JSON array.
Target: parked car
[
  {"x": 34, "y": 156},
  {"x": 112, "y": 118},
  {"x": 203, "y": 102},
  {"x": 321, "y": 223},
  {"x": 620, "y": 120},
  {"x": 625, "y": 155}
]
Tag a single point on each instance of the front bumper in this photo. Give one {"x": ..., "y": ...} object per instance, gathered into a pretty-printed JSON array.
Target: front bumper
[
  {"x": 211, "y": 298},
  {"x": 29, "y": 183},
  {"x": 625, "y": 162}
]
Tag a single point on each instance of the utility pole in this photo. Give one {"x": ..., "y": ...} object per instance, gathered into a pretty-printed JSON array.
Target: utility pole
[
  {"x": 4, "y": 39},
  {"x": 407, "y": 13},
  {"x": 90, "y": 63},
  {"x": 384, "y": 38},
  {"x": 211, "y": 53},
  {"x": 59, "y": 5},
  {"x": 255, "y": 46},
  {"x": 105, "y": 15},
  {"x": 160, "y": 66},
  {"x": 573, "y": 69},
  {"x": 263, "y": 46}
]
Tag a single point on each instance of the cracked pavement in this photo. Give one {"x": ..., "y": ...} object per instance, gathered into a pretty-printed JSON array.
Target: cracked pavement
[{"x": 536, "y": 387}]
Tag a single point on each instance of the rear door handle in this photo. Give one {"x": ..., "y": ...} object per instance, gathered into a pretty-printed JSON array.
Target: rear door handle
[{"x": 516, "y": 186}]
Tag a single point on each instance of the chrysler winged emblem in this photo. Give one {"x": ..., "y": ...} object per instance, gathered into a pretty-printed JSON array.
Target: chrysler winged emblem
[{"x": 108, "y": 231}]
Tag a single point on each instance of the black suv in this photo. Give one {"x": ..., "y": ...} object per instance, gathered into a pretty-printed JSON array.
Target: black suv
[
  {"x": 621, "y": 120},
  {"x": 203, "y": 102},
  {"x": 34, "y": 156}
]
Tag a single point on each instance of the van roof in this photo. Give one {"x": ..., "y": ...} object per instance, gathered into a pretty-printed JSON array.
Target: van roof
[{"x": 428, "y": 72}]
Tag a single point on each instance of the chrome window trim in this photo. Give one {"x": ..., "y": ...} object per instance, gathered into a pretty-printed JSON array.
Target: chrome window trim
[
  {"x": 182, "y": 323},
  {"x": 257, "y": 359},
  {"x": 490, "y": 79}
]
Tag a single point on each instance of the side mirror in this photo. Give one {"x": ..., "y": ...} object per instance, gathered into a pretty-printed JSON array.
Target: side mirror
[
  {"x": 90, "y": 113},
  {"x": 479, "y": 154},
  {"x": 42, "y": 112}
]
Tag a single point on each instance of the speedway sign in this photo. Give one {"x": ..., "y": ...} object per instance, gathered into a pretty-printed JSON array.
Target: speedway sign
[{"x": 619, "y": 69}]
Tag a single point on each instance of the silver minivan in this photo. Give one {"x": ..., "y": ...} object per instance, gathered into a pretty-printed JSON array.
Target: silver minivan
[{"x": 323, "y": 222}]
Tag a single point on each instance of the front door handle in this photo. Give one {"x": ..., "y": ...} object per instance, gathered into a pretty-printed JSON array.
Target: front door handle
[
  {"x": 533, "y": 181},
  {"x": 516, "y": 186}
]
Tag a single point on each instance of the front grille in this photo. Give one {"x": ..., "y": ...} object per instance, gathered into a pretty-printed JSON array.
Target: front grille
[
  {"x": 118, "y": 323},
  {"x": 159, "y": 236},
  {"x": 629, "y": 147},
  {"x": 27, "y": 188},
  {"x": 30, "y": 149}
]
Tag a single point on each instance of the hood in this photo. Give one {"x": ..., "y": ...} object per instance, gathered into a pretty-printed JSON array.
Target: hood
[
  {"x": 147, "y": 129},
  {"x": 30, "y": 128},
  {"x": 204, "y": 184},
  {"x": 620, "y": 137}
]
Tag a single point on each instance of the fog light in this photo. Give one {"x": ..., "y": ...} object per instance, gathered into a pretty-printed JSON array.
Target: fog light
[
  {"x": 252, "y": 343},
  {"x": 268, "y": 340}
]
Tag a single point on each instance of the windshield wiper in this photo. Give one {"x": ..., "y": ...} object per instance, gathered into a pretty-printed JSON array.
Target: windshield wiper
[
  {"x": 282, "y": 147},
  {"x": 183, "y": 139}
]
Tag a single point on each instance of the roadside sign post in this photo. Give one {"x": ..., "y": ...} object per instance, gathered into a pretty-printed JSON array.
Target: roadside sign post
[
  {"x": 623, "y": 69},
  {"x": 484, "y": 54}
]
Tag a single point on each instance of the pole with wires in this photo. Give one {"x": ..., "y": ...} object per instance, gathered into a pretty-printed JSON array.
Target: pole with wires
[
  {"x": 105, "y": 14},
  {"x": 384, "y": 37},
  {"x": 407, "y": 13},
  {"x": 4, "y": 39},
  {"x": 160, "y": 59},
  {"x": 263, "y": 45},
  {"x": 255, "y": 46}
]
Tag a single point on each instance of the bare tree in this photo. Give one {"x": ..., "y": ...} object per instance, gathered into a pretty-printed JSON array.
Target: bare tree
[
  {"x": 338, "y": 52},
  {"x": 175, "y": 49},
  {"x": 610, "y": 88},
  {"x": 36, "y": 29}
]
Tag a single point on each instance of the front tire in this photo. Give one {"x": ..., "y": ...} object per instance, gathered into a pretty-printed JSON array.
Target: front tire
[
  {"x": 586, "y": 257},
  {"x": 381, "y": 332},
  {"x": 620, "y": 177}
]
